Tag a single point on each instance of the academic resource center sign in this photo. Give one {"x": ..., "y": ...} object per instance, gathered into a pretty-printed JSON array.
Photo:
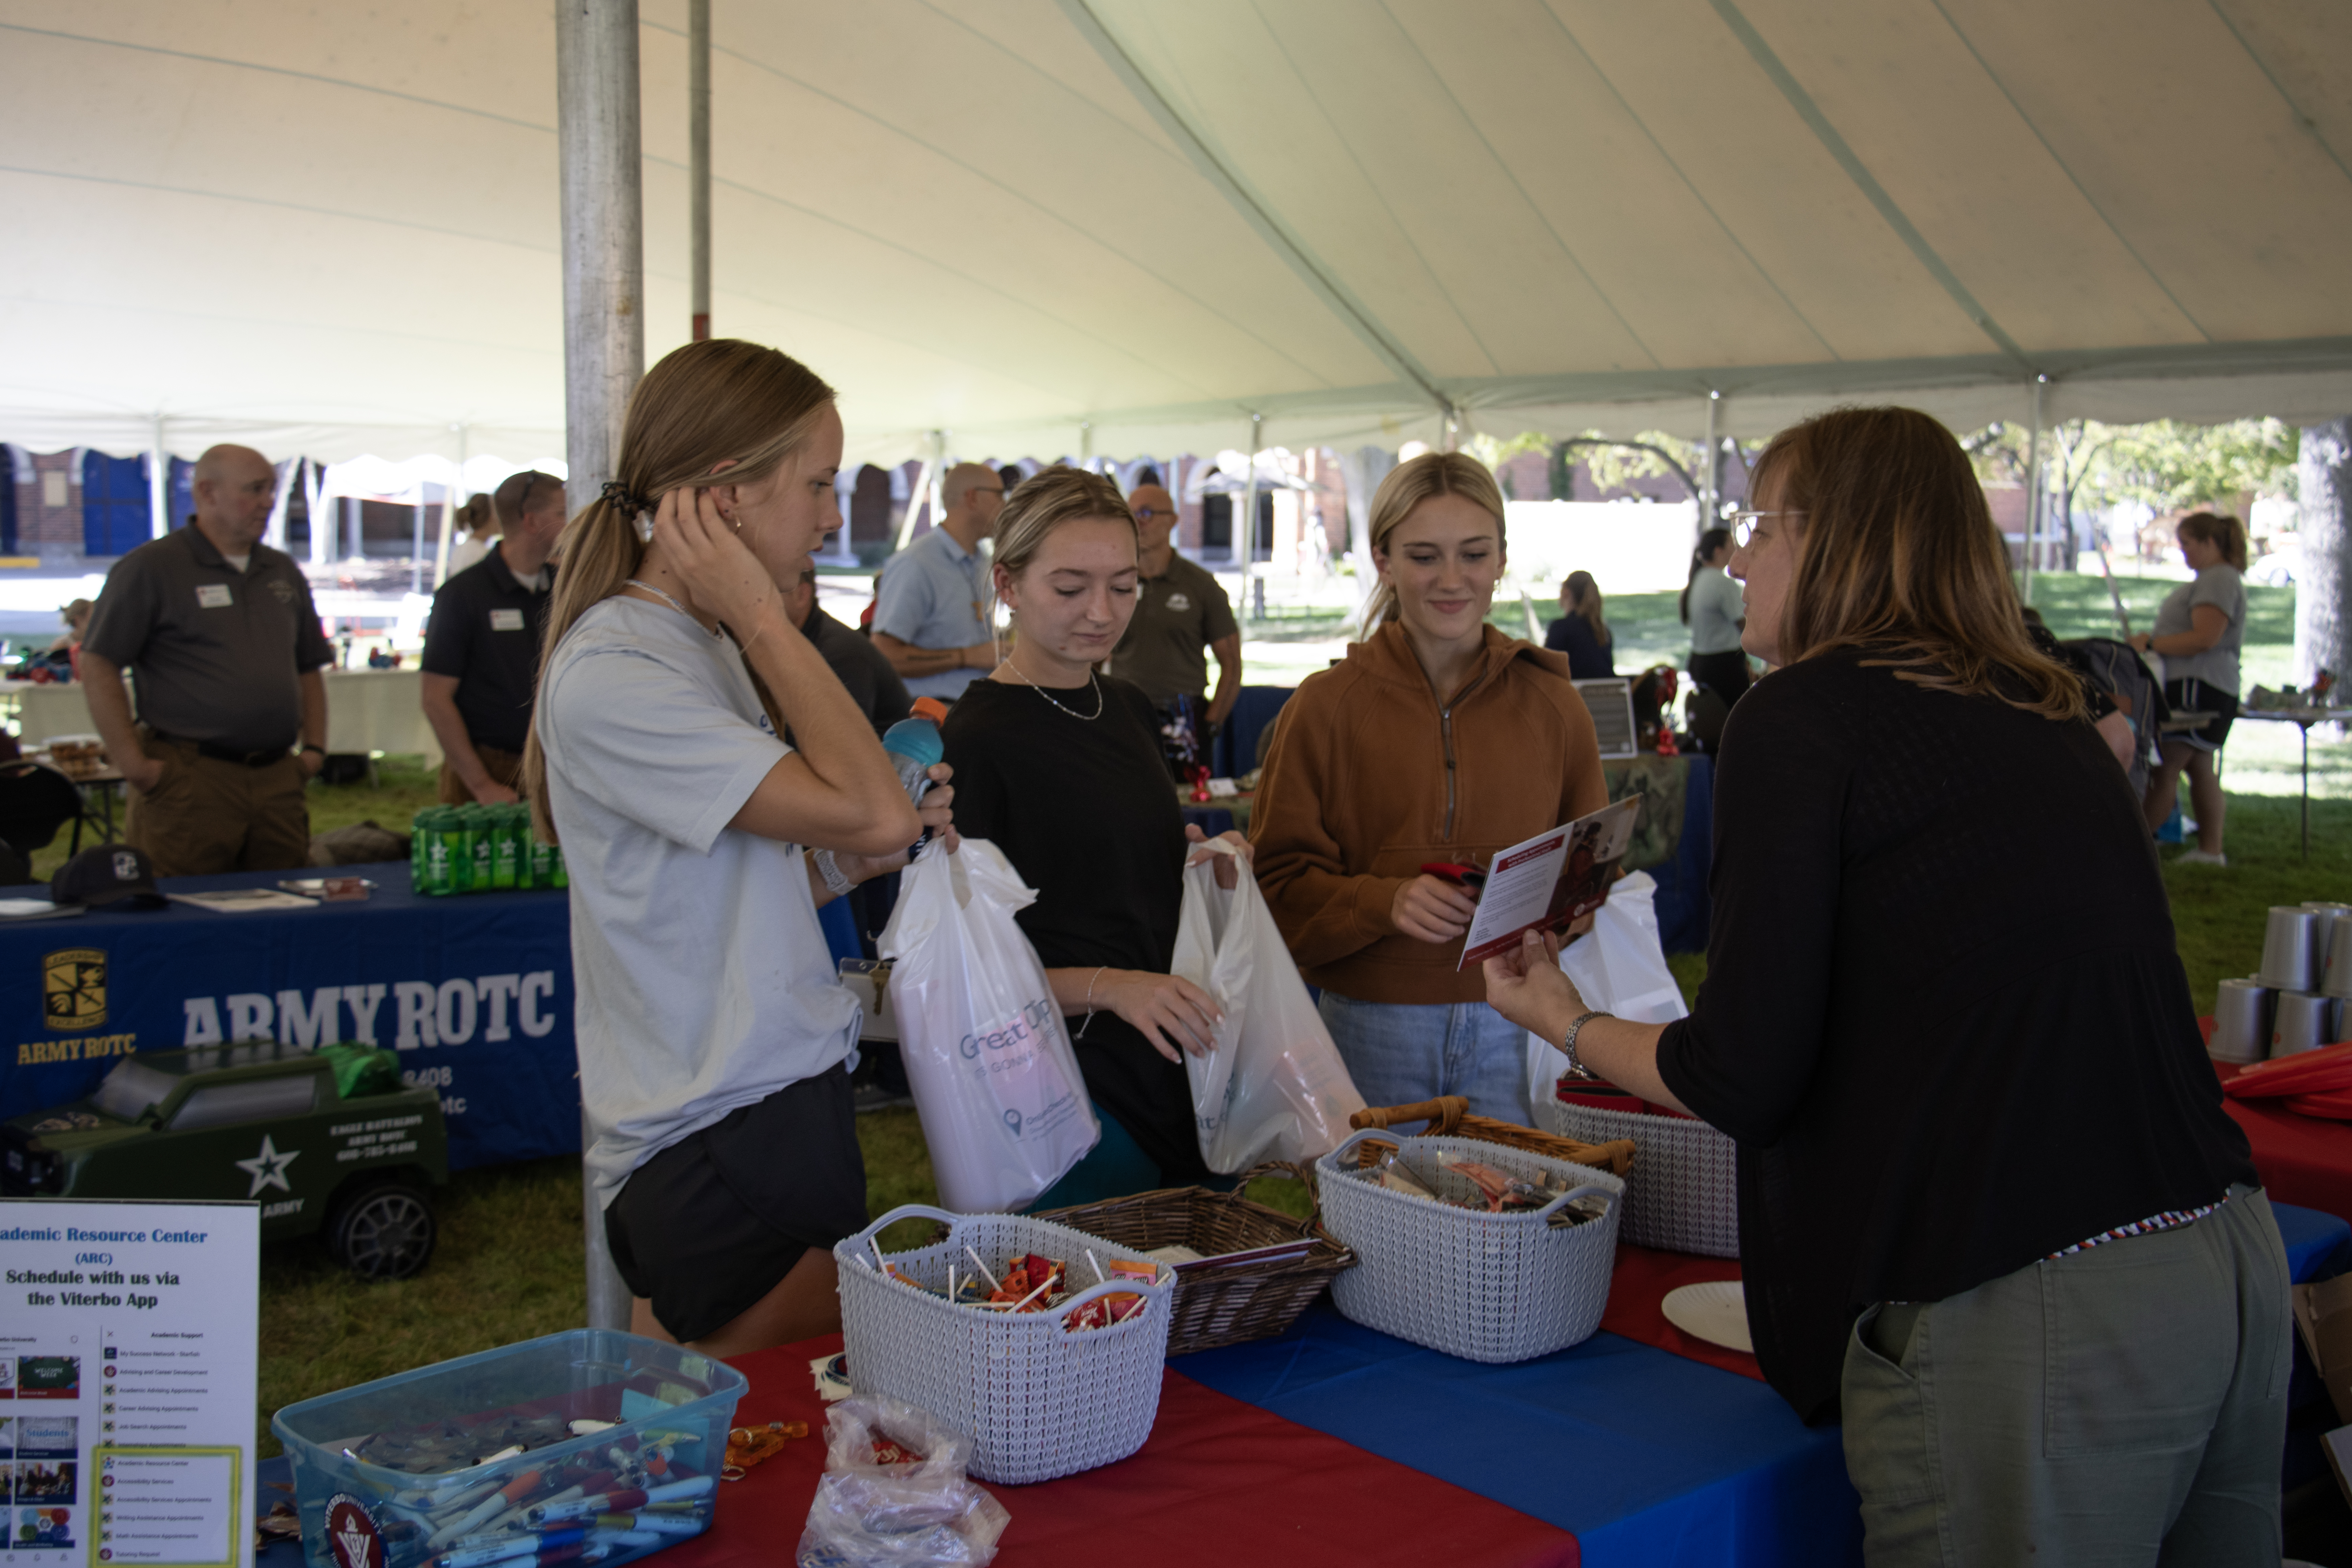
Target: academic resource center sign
[{"x": 473, "y": 993}]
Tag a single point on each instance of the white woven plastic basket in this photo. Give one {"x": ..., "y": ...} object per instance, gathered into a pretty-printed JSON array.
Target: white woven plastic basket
[
  {"x": 1039, "y": 1400},
  {"x": 1483, "y": 1286},
  {"x": 1684, "y": 1193}
]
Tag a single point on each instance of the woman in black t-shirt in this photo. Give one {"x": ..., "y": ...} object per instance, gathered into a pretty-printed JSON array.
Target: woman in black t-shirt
[{"x": 1060, "y": 768}]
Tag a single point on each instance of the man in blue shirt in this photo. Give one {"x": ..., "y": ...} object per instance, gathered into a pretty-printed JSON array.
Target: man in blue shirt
[{"x": 931, "y": 608}]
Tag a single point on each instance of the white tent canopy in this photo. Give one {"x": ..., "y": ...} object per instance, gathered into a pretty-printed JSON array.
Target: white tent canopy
[{"x": 1125, "y": 227}]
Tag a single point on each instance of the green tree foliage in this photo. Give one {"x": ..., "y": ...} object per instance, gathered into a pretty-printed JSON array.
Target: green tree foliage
[{"x": 2164, "y": 464}]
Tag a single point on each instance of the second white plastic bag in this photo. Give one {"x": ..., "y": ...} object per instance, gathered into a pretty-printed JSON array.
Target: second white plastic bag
[
  {"x": 1619, "y": 967},
  {"x": 988, "y": 1057},
  {"x": 1273, "y": 1088}
]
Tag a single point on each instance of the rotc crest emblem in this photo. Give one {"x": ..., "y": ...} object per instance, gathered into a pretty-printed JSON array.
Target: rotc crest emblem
[
  {"x": 73, "y": 988},
  {"x": 351, "y": 1534}
]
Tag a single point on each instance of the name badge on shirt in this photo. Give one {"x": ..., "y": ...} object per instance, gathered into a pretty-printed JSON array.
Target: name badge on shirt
[
  {"x": 213, "y": 596},
  {"x": 505, "y": 620}
]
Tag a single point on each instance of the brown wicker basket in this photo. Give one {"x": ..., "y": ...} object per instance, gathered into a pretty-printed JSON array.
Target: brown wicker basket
[
  {"x": 1223, "y": 1306},
  {"x": 1449, "y": 1116}
]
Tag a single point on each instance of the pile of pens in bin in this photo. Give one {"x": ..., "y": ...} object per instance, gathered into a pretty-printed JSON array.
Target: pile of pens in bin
[
  {"x": 1031, "y": 1283},
  {"x": 631, "y": 1496},
  {"x": 1495, "y": 1191}
]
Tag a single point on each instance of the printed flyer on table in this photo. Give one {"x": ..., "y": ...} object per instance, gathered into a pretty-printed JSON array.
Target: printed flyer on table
[{"x": 128, "y": 1370}]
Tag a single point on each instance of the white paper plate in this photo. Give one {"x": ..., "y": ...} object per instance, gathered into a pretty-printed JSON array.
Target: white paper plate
[{"x": 1715, "y": 1311}]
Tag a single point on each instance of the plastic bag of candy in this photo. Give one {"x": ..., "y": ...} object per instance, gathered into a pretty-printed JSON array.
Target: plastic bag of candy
[{"x": 893, "y": 1493}]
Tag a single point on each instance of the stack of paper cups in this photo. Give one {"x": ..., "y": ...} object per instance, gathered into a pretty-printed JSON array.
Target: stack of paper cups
[
  {"x": 2302, "y": 1021},
  {"x": 2241, "y": 1022},
  {"x": 2291, "y": 953},
  {"x": 2335, "y": 950}
]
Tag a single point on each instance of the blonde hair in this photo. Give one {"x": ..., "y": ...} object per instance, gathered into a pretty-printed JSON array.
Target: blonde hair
[
  {"x": 1896, "y": 552},
  {"x": 1407, "y": 486},
  {"x": 1582, "y": 597},
  {"x": 701, "y": 405},
  {"x": 1046, "y": 499}
]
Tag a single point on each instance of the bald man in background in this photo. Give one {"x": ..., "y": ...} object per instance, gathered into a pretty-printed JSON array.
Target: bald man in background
[
  {"x": 931, "y": 607},
  {"x": 226, "y": 650},
  {"x": 1179, "y": 611}
]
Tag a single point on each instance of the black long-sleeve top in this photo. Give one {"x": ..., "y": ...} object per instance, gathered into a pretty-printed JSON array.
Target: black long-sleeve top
[{"x": 1944, "y": 1017}]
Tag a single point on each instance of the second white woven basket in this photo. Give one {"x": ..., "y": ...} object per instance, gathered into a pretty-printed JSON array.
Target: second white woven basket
[
  {"x": 1038, "y": 1399},
  {"x": 1683, "y": 1195},
  {"x": 1484, "y": 1286}
]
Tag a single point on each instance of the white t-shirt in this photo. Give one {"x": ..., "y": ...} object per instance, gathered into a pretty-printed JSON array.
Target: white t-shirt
[
  {"x": 1716, "y": 606},
  {"x": 703, "y": 980}
]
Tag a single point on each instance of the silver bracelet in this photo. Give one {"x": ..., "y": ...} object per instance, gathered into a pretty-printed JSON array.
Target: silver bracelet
[
  {"x": 1089, "y": 1018},
  {"x": 830, "y": 869},
  {"x": 1567, "y": 1047}
]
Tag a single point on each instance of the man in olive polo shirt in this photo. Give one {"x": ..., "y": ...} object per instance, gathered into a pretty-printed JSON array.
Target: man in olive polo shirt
[
  {"x": 1180, "y": 611},
  {"x": 481, "y": 646},
  {"x": 225, "y": 644}
]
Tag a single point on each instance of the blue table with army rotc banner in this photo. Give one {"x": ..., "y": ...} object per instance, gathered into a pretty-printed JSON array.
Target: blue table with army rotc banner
[{"x": 472, "y": 993}]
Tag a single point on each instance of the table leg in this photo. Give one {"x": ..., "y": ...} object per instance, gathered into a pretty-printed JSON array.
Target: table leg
[{"x": 2305, "y": 730}]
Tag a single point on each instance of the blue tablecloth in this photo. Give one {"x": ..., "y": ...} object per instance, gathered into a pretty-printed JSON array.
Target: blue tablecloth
[{"x": 474, "y": 994}]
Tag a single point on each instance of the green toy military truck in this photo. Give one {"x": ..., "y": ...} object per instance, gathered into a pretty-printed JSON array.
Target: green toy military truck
[{"x": 327, "y": 1141}]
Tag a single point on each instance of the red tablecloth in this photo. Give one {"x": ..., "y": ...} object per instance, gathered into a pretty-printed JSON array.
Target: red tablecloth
[
  {"x": 2300, "y": 1159},
  {"x": 1638, "y": 1288},
  {"x": 1218, "y": 1480}
]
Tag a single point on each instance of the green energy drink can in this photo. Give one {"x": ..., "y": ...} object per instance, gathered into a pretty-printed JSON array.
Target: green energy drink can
[{"x": 508, "y": 849}]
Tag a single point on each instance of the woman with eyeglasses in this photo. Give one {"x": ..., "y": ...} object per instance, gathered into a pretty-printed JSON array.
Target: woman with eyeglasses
[
  {"x": 1436, "y": 743},
  {"x": 1991, "y": 1212}
]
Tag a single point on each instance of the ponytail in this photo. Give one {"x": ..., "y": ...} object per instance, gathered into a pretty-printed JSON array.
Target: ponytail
[
  {"x": 1583, "y": 597},
  {"x": 2221, "y": 531},
  {"x": 1713, "y": 539},
  {"x": 705, "y": 404}
]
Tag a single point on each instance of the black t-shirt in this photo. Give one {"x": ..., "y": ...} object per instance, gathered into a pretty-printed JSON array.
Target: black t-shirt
[
  {"x": 485, "y": 631},
  {"x": 870, "y": 681},
  {"x": 1086, "y": 813},
  {"x": 1944, "y": 1016}
]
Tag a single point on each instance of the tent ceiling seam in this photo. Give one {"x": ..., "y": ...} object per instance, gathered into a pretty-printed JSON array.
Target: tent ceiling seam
[
  {"x": 1540, "y": 215},
  {"x": 1688, "y": 184},
  {"x": 343, "y": 82},
  {"x": 1348, "y": 146},
  {"x": 1019, "y": 196},
  {"x": 2309, "y": 124},
  {"x": 1876, "y": 193},
  {"x": 2067, "y": 169},
  {"x": 1326, "y": 287}
]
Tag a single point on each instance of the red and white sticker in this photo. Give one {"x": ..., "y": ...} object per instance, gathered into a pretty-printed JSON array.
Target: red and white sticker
[{"x": 351, "y": 1534}]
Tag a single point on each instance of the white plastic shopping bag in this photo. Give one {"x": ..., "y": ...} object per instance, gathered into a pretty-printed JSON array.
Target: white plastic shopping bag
[
  {"x": 1273, "y": 1088},
  {"x": 1619, "y": 967},
  {"x": 996, "y": 1084}
]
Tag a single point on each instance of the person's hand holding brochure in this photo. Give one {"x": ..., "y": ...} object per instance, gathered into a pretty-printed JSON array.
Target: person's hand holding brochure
[{"x": 1551, "y": 881}]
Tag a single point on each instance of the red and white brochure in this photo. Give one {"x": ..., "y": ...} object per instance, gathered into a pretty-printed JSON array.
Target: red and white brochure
[{"x": 1551, "y": 881}]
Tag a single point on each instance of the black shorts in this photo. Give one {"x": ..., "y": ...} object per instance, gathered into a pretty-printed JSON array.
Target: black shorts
[
  {"x": 712, "y": 1223},
  {"x": 2193, "y": 696}
]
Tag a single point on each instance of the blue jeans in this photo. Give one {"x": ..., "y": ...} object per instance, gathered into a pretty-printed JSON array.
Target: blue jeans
[{"x": 1403, "y": 1053}]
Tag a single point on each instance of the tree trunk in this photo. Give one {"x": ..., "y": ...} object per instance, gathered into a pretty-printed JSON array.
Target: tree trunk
[{"x": 2323, "y": 598}]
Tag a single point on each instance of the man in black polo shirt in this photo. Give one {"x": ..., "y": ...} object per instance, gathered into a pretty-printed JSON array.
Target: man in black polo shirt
[
  {"x": 227, "y": 649},
  {"x": 871, "y": 681},
  {"x": 481, "y": 646}
]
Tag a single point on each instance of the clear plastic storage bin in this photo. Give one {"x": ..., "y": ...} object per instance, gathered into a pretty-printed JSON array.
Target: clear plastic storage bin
[{"x": 588, "y": 1446}]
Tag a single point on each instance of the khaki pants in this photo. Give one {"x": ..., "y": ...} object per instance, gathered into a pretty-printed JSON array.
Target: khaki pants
[
  {"x": 504, "y": 766},
  {"x": 2123, "y": 1404},
  {"x": 205, "y": 816}
]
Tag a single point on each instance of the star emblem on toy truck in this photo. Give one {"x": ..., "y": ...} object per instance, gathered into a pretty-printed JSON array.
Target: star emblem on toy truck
[{"x": 268, "y": 1168}]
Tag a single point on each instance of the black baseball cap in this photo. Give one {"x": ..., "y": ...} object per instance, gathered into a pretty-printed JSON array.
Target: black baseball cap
[{"x": 108, "y": 874}]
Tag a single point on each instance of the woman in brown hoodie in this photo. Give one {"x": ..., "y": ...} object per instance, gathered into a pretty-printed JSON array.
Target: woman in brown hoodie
[{"x": 1436, "y": 741}]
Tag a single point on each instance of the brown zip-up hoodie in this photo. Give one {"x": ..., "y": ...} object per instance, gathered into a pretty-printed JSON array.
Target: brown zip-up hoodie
[{"x": 1369, "y": 776}]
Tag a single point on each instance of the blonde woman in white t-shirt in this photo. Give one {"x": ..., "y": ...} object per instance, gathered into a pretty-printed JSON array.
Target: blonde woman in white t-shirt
[{"x": 713, "y": 1034}]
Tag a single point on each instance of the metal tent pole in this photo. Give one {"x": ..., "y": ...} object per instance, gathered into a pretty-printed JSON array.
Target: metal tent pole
[
  {"x": 2034, "y": 483},
  {"x": 1710, "y": 481},
  {"x": 603, "y": 341},
  {"x": 1257, "y": 610},
  {"x": 698, "y": 140},
  {"x": 159, "y": 486}
]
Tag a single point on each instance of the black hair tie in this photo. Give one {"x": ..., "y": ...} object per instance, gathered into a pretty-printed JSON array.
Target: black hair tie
[{"x": 615, "y": 493}]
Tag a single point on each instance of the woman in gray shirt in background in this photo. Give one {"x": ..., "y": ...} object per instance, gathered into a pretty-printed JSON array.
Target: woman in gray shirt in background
[
  {"x": 2199, "y": 631},
  {"x": 1714, "y": 609}
]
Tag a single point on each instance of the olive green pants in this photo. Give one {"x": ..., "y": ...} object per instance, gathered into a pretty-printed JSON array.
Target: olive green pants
[
  {"x": 206, "y": 815},
  {"x": 2123, "y": 1404}
]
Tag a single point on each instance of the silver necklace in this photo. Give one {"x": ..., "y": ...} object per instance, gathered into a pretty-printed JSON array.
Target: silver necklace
[
  {"x": 1048, "y": 696},
  {"x": 665, "y": 598}
]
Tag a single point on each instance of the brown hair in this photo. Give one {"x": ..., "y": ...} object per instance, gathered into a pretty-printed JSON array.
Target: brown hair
[
  {"x": 479, "y": 512},
  {"x": 1896, "y": 552},
  {"x": 1407, "y": 486},
  {"x": 1046, "y": 499},
  {"x": 1581, "y": 596},
  {"x": 2221, "y": 531},
  {"x": 702, "y": 404}
]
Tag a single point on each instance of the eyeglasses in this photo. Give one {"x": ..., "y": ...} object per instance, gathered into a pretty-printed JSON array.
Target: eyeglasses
[
  {"x": 1743, "y": 525},
  {"x": 1146, "y": 513}
]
